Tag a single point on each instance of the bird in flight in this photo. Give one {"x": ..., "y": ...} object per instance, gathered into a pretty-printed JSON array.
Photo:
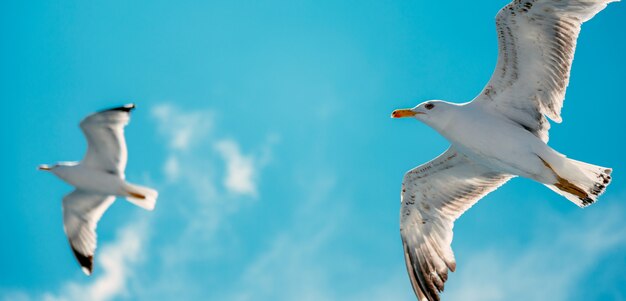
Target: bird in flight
[
  {"x": 501, "y": 134},
  {"x": 98, "y": 179}
]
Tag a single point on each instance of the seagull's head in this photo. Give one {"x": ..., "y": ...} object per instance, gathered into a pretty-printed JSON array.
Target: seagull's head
[
  {"x": 435, "y": 113},
  {"x": 57, "y": 167},
  {"x": 423, "y": 111}
]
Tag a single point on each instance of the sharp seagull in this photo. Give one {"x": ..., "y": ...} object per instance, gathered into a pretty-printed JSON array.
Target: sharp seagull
[
  {"x": 500, "y": 134},
  {"x": 98, "y": 179}
]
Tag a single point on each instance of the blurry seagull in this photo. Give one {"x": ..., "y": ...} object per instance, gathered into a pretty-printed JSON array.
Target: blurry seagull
[
  {"x": 98, "y": 179},
  {"x": 501, "y": 134}
]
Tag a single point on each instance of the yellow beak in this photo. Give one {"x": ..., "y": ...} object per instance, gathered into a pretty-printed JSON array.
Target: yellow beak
[
  {"x": 404, "y": 113},
  {"x": 44, "y": 167}
]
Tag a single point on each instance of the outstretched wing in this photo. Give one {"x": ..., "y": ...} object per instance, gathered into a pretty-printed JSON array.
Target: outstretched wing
[
  {"x": 106, "y": 148},
  {"x": 434, "y": 195},
  {"x": 81, "y": 213},
  {"x": 536, "y": 40}
]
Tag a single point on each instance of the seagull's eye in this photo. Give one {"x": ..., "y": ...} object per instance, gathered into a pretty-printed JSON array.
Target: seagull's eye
[{"x": 429, "y": 106}]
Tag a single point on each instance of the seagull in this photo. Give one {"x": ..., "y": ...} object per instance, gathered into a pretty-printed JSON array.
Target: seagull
[
  {"x": 97, "y": 179},
  {"x": 502, "y": 133}
]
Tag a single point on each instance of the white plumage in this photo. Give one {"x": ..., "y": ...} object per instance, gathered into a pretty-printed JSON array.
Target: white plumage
[
  {"x": 98, "y": 179},
  {"x": 501, "y": 134}
]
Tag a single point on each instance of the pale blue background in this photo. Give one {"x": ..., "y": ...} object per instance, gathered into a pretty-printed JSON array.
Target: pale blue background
[{"x": 305, "y": 87}]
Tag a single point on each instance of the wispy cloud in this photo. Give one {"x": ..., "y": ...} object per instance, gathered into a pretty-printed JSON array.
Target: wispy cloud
[
  {"x": 171, "y": 168},
  {"x": 116, "y": 261},
  {"x": 182, "y": 128},
  {"x": 207, "y": 177},
  {"x": 240, "y": 169},
  {"x": 554, "y": 265},
  {"x": 294, "y": 265},
  {"x": 190, "y": 138},
  {"x": 286, "y": 270}
]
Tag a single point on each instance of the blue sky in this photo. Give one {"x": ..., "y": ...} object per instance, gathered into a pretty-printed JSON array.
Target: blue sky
[{"x": 266, "y": 129}]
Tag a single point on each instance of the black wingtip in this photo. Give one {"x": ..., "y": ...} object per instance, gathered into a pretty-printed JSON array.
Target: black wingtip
[
  {"x": 587, "y": 201},
  {"x": 86, "y": 262},
  {"x": 125, "y": 108}
]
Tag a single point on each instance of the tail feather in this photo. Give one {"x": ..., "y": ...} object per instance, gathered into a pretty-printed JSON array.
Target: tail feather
[
  {"x": 581, "y": 183},
  {"x": 141, "y": 196}
]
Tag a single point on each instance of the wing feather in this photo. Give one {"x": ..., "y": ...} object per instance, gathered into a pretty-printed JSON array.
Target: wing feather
[
  {"x": 81, "y": 213},
  {"x": 434, "y": 195},
  {"x": 106, "y": 145},
  {"x": 536, "y": 40}
]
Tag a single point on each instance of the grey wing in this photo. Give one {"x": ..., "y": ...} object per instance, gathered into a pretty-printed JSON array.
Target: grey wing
[
  {"x": 433, "y": 196},
  {"x": 106, "y": 145},
  {"x": 537, "y": 40},
  {"x": 81, "y": 213}
]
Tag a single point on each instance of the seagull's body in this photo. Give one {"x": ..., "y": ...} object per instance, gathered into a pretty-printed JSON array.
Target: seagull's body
[
  {"x": 474, "y": 132},
  {"x": 90, "y": 179},
  {"x": 98, "y": 179},
  {"x": 501, "y": 134}
]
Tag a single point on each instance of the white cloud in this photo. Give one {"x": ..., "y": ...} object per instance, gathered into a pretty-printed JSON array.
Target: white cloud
[
  {"x": 293, "y": 266},
  {"x": 171, "y": 168},
  {"x": 116, "y": 261},
  {"x": 287, "y": 269},
  {"x": 205, "y": 181},
  {"x": 240, "y": 169},
  {"x": 552, "y": 266},
  {"x": 182, "y": 129},
  {"x": 192, "y": 145}
]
